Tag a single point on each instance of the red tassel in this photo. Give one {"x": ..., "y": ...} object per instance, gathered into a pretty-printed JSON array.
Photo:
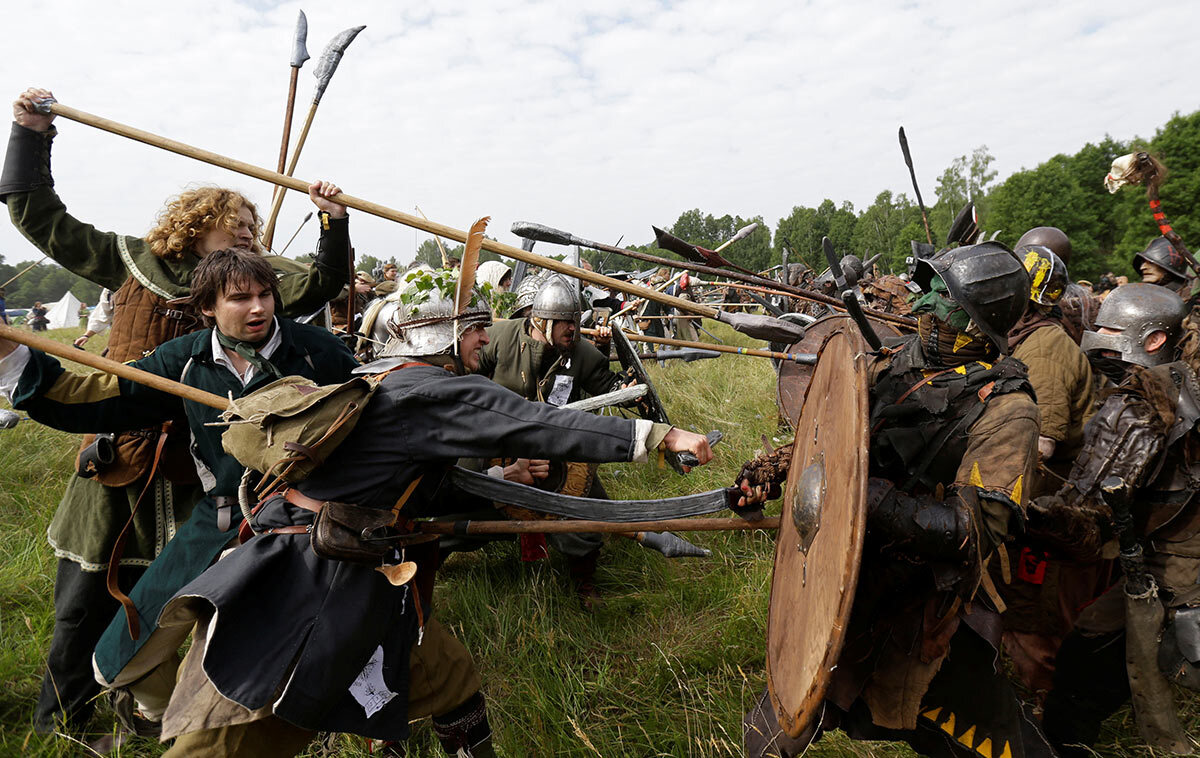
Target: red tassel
[{"x": 534, "y": 547}]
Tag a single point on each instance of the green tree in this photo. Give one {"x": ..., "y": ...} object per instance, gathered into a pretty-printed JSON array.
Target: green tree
[{"x": 879, "y": 230}]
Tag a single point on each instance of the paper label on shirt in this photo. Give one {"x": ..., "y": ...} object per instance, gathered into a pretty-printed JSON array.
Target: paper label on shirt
[
  {"x": 368, "y": 687},
  {"x": 561, "y": 391}
]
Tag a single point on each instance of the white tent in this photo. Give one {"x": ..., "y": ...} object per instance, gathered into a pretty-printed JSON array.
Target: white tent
[{"x": 64, "y": 313}]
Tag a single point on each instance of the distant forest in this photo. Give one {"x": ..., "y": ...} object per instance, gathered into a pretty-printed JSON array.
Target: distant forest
[{"x": 1066, "y": 191}]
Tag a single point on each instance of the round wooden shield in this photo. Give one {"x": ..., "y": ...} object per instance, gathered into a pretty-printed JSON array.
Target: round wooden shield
[
  {"x": 792, "y": 378},
  {"x": 821, "y": 530}
]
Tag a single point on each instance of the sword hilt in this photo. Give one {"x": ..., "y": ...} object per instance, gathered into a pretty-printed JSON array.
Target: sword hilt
[{"x": 689, "y": 460}]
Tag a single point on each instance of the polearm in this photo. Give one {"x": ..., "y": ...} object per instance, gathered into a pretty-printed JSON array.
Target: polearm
[
  {"x": 549, "y": 526},
  {"x": 110, "y": 366},
  {"x": 912, "y": 172},
  {"x": 805, "y": 358},
  {"x": 24, "y": 271},
  {"x": 543, "y": 233},
  {"x": 324, "y": 70},
  {"x": 698, "y": 254},
  {"x": 747, "y": 287},
  {"x": 756, "y": 326},
  {"x": 660, "y": 288},
  {"x": 299, "y": 55}
]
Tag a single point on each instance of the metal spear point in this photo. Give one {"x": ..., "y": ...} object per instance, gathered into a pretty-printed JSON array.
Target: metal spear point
[
  {"x": 916, "y": 189},
  {"x": 324, "y": 70},
  {"x": 742, "y": 234}
]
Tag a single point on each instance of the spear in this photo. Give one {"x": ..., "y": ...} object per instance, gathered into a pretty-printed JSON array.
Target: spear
[
  {"x": 299, "y": 55},
  {"x": 806, "y": 358},
  {"x": 756, "y": 326},
  {"x": 543, "y": 233},
  {"x": 298, "y": 228},
  {"x": 912, "y": 172},
  {"x": 324, "y": 70},
  {"x": 24, "y": 271},
  {"x": 699, "y": 254},
  {"x": 547, "y": 526}
]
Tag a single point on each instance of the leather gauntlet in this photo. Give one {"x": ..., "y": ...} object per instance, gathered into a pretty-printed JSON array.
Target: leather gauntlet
[{"x": 333, "y": 248}]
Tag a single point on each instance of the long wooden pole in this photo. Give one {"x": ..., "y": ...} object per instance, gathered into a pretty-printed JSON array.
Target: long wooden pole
[
  {"x": 109, "y": 366},
  {"x": 24, "y": 271},
  {"x": 747, "y": 287},
  {"x": 375, "y": 209},
  {"x": 549, "y": 526},
  {"x": 269, "y": 229},
  {"x": 731, "y": 349}
]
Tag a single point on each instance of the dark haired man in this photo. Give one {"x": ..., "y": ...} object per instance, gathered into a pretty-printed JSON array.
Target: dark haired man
[{"x": 246, "y": 348}]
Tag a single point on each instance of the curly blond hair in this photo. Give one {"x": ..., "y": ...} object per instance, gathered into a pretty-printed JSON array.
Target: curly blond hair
[{"x": 195, "y": 212}]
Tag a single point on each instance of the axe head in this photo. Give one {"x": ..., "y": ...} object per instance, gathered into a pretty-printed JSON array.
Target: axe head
[
  {"x": 331, "y": 57},
  {"x": 671, "y": 243},
  {"x": 542, "y": 233},
  {"x": 766, "y": 328},
  {"x": 299, "y": 42}
]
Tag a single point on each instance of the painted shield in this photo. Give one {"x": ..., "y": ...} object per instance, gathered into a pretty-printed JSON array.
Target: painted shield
[
  {"x": 650, "y": 407},
  {"x": 821, "y": 530},
  {"x": 792, "y": 378}
]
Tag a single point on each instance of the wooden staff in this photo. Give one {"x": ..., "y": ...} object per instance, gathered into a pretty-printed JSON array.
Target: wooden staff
[
  {"x": 747, "y": 287},
  {"x": 24, "y": 271},
  {"x": 809, "y": 358},
  {"x": 660, "y": 288},
  {"x": 549, "y": 526},
  {"x": 372, "y": 208},
  {"x": 109, "y": 366}
]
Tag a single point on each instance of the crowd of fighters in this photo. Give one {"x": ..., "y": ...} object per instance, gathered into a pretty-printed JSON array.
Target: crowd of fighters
[{"x": 1027, "y": 432}]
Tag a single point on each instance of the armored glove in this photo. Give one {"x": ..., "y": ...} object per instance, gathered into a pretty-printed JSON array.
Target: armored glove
[
  {"x": 1075, "y": 531},
  {"x": 768, "y": 470}
]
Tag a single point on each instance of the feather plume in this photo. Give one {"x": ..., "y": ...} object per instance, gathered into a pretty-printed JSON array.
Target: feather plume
[{"x": 470, "y": 260}]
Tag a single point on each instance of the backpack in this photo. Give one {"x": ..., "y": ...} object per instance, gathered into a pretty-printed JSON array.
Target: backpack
[{"x": 292, "y": 425}]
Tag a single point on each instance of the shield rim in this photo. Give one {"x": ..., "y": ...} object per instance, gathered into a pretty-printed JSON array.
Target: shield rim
[{"x": 795, "y": 723}]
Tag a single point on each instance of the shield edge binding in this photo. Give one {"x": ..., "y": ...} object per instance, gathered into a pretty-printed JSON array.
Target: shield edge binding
[{"x": 794, "y": 724}]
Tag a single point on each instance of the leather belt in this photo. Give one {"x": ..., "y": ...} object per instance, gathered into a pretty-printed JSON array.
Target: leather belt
[
  {"x": 300, "y": 500},
  {"x": 225, "y": 506}
]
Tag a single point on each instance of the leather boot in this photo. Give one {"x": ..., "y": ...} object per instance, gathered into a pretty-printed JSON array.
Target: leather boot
[{"x": 583, "y": 574}]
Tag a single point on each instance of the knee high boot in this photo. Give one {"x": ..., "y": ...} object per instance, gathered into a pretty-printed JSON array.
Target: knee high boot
[{"x": 465, "y": 731}]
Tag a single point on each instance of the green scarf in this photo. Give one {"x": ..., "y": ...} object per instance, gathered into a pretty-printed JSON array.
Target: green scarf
[{"x": 249, "y": 351}]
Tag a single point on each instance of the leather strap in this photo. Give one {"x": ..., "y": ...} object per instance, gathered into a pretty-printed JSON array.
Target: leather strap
[
  {"x": 114, "y": 560},
  {"x": 300, "y": 500},
  {"x": 911, "y": 390},
  {"x": 294, "y": 529}
]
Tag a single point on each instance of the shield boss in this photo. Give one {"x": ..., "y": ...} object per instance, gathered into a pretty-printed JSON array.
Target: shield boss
[{"x": 821, "y": 530}]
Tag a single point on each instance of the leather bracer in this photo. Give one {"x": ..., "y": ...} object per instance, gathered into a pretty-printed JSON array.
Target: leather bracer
[
  {"x": 333, "y": 248},
  {"x": 27, "y": 161}
]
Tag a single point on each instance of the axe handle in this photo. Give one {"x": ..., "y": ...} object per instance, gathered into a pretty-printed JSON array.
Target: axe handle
[
  {"x": 269, "y": 229},
  {"x": 375, "y": 209},
  {"x": 24, "y": 271},
  {"x": 571, "y": 526},
  {"x": 109, "y": 366}
]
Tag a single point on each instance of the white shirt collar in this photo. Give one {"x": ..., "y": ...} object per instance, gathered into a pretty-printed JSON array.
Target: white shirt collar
[{"x": 219, "y": 356}]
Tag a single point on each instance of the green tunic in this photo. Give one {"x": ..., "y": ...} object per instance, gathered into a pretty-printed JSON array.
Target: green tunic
[{"x": 533, "y": 369}]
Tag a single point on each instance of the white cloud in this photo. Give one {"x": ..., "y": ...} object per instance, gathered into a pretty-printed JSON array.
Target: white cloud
[{"x": 598, "y": 117}]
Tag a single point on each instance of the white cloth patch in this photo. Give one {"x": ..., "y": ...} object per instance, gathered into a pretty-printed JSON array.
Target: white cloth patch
[
  {"x": 368, "y": 688},
  {"x": 561, "y": 392}
]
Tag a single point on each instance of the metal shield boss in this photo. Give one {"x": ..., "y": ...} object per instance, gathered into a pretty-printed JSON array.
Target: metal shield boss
[
  {"x": 631, "y": 362},
  {"x": 792, "y": 378},
  {"x": 820, "y": 541}
]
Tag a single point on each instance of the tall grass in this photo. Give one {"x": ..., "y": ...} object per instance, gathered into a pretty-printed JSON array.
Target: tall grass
[{"x": 665, "y": 667}]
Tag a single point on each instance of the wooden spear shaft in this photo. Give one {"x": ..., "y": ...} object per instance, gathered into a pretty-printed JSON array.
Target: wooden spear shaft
[
  {"x": 572, "y": 526},
  {"x": 747, "y": 287},
  {"x": 24, "y": 271},
  {"x": 731, "y": 349},
  {"x": 109, "y": 366},
  {"x": 375, "y": 209}
]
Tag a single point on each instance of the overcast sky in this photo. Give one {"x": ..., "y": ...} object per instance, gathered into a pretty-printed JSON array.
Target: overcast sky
[{"x": 600, "y": 118}]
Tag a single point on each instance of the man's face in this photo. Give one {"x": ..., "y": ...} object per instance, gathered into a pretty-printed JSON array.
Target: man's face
[
  {"x": 470, "y": 346},
  {"x": 1152, "y": 273},
  {"x": 219, "y": 239},
  {"x": 244, "y": 311},
  {"x": 389, "y": 274},
  {"x": 562, "y": 335}
]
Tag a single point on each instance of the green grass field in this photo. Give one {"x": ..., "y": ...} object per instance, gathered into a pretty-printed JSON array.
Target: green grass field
[{"x": 665, "y": 667}]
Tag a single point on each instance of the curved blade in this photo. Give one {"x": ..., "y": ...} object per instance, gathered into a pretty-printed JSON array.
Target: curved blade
[
  {"x": 331, "y": 57},
  {"x": 590, "y": 508},
  {"x": 299, "y": 42},
  {"x": 543, "y": 233}
]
